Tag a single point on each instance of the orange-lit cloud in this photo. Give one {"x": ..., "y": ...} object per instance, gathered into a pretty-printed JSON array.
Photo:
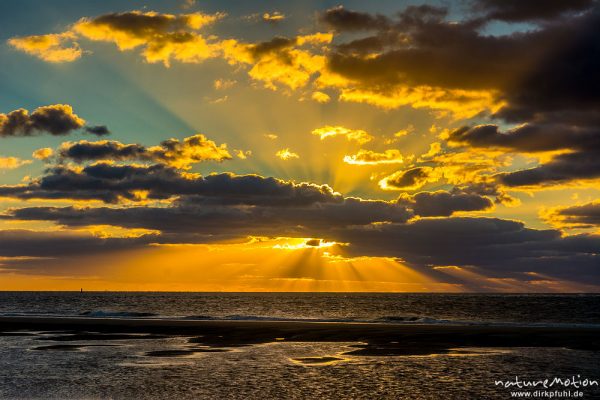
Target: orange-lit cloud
[
  {"x": 12, "y": 162},
  {"x": 275, "y": 16},
  {"x": 358, "y": 135},
  {"x": 43, "y": 153},
  {"x": 368, "y": 157},
  {"x": 162, "y": 36},
  {"x": 54, "y": 48},
  {"x": 173, "y": 152},
  {"x": 458, "y": 104},
  {"x": 286, "y": 154},
  {"x": 410, "y": 179},
  {"x": 320, "y": 97}
]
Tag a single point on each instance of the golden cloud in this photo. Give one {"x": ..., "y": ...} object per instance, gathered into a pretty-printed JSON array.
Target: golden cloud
[
  {"x": 43, "y": 153},
  {"x": 275, "y": 16},
  {"x": 12, "y": 162},
  {"x": 357, "y": 135},
  {"x": 54, "y": 48},
  {"x": 320, "y": 97},
  {"x": 286, "y": 154},
  {"x": 368, "y": 157},
  {"x": 458, "y": 104},
  {"x": 164, "y": 36},
  {"x": 411, "y": 179},
  {"x": 173, "y": 152}
]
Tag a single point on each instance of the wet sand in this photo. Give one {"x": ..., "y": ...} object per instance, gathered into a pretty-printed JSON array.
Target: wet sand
[{"x": 372, "y": 338}]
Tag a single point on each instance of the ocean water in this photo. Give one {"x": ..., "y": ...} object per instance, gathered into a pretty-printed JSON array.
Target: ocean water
[
  {"x": 50, "y": 365},
  {"x": 362, "y": 307}
]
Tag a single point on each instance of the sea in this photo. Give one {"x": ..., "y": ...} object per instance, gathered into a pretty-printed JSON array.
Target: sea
[{"x": 34, "y": 366}]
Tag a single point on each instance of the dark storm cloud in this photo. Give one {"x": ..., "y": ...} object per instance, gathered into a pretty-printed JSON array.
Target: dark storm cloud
[
  {"x": 342, "y": 19},
  {"x": 142, "y": 24},
  {"x": 556, "y": 100},
  {"x": 442, "y": 203},
  {"x": 57, "y": 119},
  {"x": 111, "y": 150},
  {"x": 562, "y": 168},
  {"x": 111, "y": 183},
  {"x": 422, "y": 48},
  {"x": 550, "y": 67},
  {"x": 531, "y": 137},
  {"x": 565, "y": 78},
  {"x": 98, "y": 130},
  {"x": 581, "y": 216},
  {"x": 24, "y": 243},
  {"x": 528, "y": 10},
  {"x": 229, "y": 221},
  {"x": 274, "y": 45},
  {"x": 494, "y": 246},
  {"x": 411, "y": 178}
]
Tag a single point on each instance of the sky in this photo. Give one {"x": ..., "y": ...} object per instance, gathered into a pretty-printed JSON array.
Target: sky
[{"x": 409, "y": 146}]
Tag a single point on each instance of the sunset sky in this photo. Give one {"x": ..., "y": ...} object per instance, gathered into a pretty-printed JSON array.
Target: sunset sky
[{"x": 300, "y": 145}]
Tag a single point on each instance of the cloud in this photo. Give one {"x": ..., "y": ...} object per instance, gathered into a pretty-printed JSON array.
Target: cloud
[
  {"x": 421, "y": 59},
  {"x": 357, "y": 135},
  {"x": 112, "y": 183},
  {"x": 342, "y": 19},
  {"x": 529, "y": 137},
  {"x": 457, "y": 103},
  {"x": 410, "y": 179},
  {"x": 204, "y": 220},
  {"x": 98, "y": 130},
  {"x": 162, "y": 36},
  {"x": 273, "y": 17},
  {"x": 54, "y": 48},
  {"x": 422, "y": 48},
  {"x": 574, "y": 217},
  {"x": 26, "y": 243},
  {"x": 417, "y": 58},
  {"x": 538, "y": 95},
  {"x": 490, "y": 246},
  {"x": 223, "y": 84},
  {"x": 577, "y": 148},
  {"x": 173, "y": 152},
  {"x": 57, "y": 119},
  {"x": 521, "y": 11},
  {"x": 286, "y": 154},
  {"x": 368, "y": 157},
  {"x": 284, "y": 61},
  {"x": 43, "y": 153},
  {"x": 561, "y": 169},
  {"x": 320, "y": 97},
  {"x": 12, "y": 162},
  {"x": 442, "y": 203},
  {"x": 242, "y": 155}
]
